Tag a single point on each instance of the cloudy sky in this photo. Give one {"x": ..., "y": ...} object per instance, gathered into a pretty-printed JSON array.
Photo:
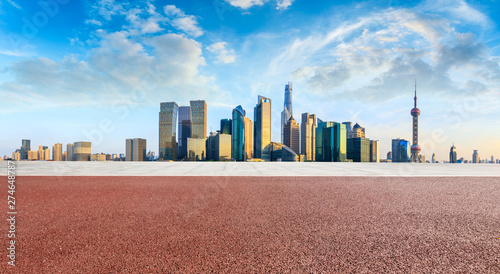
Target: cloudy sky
[{"x": 97, "y": 71}]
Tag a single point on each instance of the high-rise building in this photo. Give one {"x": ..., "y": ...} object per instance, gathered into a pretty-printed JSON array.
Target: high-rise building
[
  {"x": 82, "y": 151},
  {"x": 357, "y": 131},
  {"x": 25, "y": 148},
  {"x": 238, "y": 134},
  {"x": 219, "y": 147},
  {"x": 331, "y": 143},
  {"x": 287, "y": 109},
  {"x": 226, "y": 126},
  {"x": 57, "y": 152},
  {"x": 135, "y": 149},
  {"x": 475, "y": 157},
  {"x": 198, "y": 119},
  {"x": 262, "y": 126},
  {"x": 33, "y": 155},
  {"x": 453, "y": 154},
  {"x": 167, "y": 139},
  {"x": 184, "y": 131},
  {"x": 308, "y": 136},
  {"x": 70, "y": 152},
  {"x": 16, "y": 156},
  {"x": 433, "y": 157},
  {"x": 415, "y": 148},
  {"x": 197, "y": 149},
  {"x": 101, "y": 157},
  {"x": 374, "y": 151},
  {"x": 248, "y": 138},
  {"x": 399, "y": 150},
  {"x": 41, "y": 152},
  {"x": 291, "y": 135},
  {"x": 389, "y": 155},
  {"x": 358, "y": 149}
]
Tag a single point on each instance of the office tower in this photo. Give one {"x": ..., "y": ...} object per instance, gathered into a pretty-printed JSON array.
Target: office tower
[
  {"x": 167, "y": 139},
  {"x": 389, "y": 155},
  {"x": 238, "y": 136},
  {"x": 64, "y": 156},
  {"x": 357, "y": 131},
  {"x": 70, "y": 152},
  {"x": 16, "y": 155},
  {"x": 196, "y": 149},
  {"x": 492, "y": 160},
  {"x": 453, "y": 154},
  {"x": 219, "y": 147},
  {"x": 276, "y": 152},
  {"x": 41, "y": 152},
  {"x": 475, "y": 157},
  {"x": 25, "y": 148},
  {"x": 81, "y": 151},
  {"x": 399, "y": 150},
  {"x": 422, "y": 157},
  {"x": 308, "y": 136},
  {"x": 226, "y": 126},
  {"x": 262, "y": 125},
  {"x": 33, "y": 155},
  {"x": 291, "y": 135},
  {"x": 331, "y": 143},
  {"x": 374, "y": 151},
  {"x": 248, "y": 138},
  {"x": 358, "y": 149},
  {"x": 184, "y": 113},
  {"x": 57, "y": 152},
  {"x": 433, "y": 157},
  {"x": 135, "y": 150},
  {"x": 287, "y": 109},
  {"x": 47, "y": 154},
  {"x": 198, "y": 119},
  {"x": 348, "y": 129},
  {"x": 415, "y": 148}
]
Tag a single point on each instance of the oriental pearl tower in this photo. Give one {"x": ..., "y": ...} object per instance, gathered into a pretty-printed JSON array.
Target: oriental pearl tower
[{"x": 415, "y": 148}]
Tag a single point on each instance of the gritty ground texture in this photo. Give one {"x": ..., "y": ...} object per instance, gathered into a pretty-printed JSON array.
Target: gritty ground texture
[{"x": 255, "y": 224}]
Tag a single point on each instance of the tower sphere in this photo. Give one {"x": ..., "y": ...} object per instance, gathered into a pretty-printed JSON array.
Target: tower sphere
[
  {"x": 415, "y": 112},
  {"x": 415, "y": 148}
]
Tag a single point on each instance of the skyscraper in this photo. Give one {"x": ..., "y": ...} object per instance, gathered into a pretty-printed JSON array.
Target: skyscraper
[
  {"x": 135, "y": 149},
  {"x": 262, "y": 125},
  {"x": 331, "y": 145},
  {"x": 197, "y": 149},
  {"x": 415, "y": 148},
  {"x": 287, "y": 109},
  {"x": 399, "y": 150},
  {"x": 308, "y": 136},
  {"x": 238, "y": 134},
  {"x": 167, "y": 132},
  {"x": 25, "y": 148},
  {"x": 198, "y": 119},
  {"x": 57, "y": 152},
  {"x": 389, "y": 155},
  {"x": 226, "y": 126},
  {"x": 453, "y": 154},
  {"x": 356, "y": 131},
  {"x": 82, "y": 151},
  {"x": 358, "y": 149},
  {"x": 42, "y": 153},
  {"x": 184, "y": 130},
  {"x": 291, "y": 135},
  {"x": 433, "y": 157},
  {"x": 475, "y": 157},
  {"x": 374, "y": 151},
  {"x": 348, "y": 129},
  {"x": 70, "y": 152},
  {"x": 248, "y": 138}
]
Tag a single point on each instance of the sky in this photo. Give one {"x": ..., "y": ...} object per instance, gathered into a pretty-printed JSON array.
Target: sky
[{"x": 98, "y": 70}]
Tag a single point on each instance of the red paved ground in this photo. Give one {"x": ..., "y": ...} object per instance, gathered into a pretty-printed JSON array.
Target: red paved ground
[{"x": 252, "y": 224}]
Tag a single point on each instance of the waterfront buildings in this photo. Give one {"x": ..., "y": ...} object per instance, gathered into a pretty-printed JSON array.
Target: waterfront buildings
[
  {"x": 399, "y": 150},
  {"x": 25, "y": 148},
  {"x": 276, "y": 152},
  {"x": 196, "y": 149},
  {"x": 358, "y": 149},
  {"x": 70, "y": 152},
  {"x": 135, "y": 149},
  {"x": 198, "y": 119},
  {"x": 82, "y": 151},
  {"x": 248, "y": 138},
  {"x": 57, "y": 152},
  {"x": 308, "y": 136},
  {"x": 475, "y": 157},
  {"x": 453, "y": 154},
  {"x": 415, "y": 148},
  {"x": 374, "y": 151},
  {"x": 167, "y": 131},
  {"x": 262, "y": 125},
  {"x": 356, "y": 131},
  {"x": 331, "y": 143},
  {"x": 238, "y": 134},
  {"x": 184, "y": 128},
  {"x": 218, "y": 147}
]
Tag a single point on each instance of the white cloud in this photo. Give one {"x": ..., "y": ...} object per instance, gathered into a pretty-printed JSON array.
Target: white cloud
[
  {"x": 283, "y": 4},
  {"x": 93, "y": 22},
  {"x": 246, "y": 4},
  {"x": 223, "y": 54},
  {"x": 183, "y": 22}
]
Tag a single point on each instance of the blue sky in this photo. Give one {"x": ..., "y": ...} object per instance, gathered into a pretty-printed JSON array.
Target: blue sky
[{"x": 97, "y": 71}]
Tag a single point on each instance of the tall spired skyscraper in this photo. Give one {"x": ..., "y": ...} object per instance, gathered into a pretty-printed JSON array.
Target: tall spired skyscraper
[
  {"x": 287, "y": 109},
  {"x": 415, "y": 148}
]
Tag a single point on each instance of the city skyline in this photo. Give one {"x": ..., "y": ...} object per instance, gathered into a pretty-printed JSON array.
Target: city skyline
[{"x": 96, "y": 74}]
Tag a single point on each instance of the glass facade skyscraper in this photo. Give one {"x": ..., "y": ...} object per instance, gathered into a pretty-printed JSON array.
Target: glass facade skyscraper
[
  {"x": 291, "y": 135},
  {"x": 25, "y": 148},
  {"x": 184, "y": 131},
  {"x": 274, "y": 152},
  {"x": 198, "y": 119},
  {"x": 248, "y": 138},
  {"x": 453, "y": 154},
  {"x": 374, "y": 151},
  {"x": 197, "y": 149},
  {"x": 82, "y": 151},
  {"x": 168, "y": 125},
  {"x": 287, "y": 109},
  {"x": 308, "y": 136},
  {"x": 331, "y": 142},
  {"x": 400, "y": 150},
  {"x": 358, "y": 149},
  {"x": 226, "y": 126},
  {"x": 262, "y": 125},
  {"x": 238, "y": 136}
]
